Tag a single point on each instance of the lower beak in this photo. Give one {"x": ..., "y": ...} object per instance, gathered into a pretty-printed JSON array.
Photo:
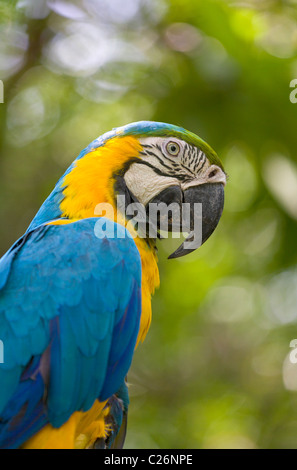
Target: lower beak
[{"x": 200, "y": 209}]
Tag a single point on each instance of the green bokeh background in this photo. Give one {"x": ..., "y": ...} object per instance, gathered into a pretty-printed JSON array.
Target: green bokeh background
[{"x": 214, "y": 370}]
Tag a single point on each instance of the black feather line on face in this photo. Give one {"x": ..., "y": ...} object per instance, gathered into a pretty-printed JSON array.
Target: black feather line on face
[
  {"x": 152, "y": 154},
  {"x": 190, "y": 161},
  {"x": 201, "y": 159}
]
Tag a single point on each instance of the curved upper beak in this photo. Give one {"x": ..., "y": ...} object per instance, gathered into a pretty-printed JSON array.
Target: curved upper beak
[
  {"x": 196, "y": 210},
  {"x": 206, "y": 203}
]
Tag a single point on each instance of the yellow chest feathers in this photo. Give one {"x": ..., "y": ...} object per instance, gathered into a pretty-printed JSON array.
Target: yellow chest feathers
[{"x": 90, "y": 183}]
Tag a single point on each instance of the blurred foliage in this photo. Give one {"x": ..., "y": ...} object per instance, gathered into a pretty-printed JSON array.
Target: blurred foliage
[{"x": 214, "y": 369}]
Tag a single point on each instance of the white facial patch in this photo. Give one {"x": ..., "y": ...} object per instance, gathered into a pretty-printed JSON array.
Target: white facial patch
[
  {"x": 144, "y": 183},
  {"x": 168, "y": 162},
  {"x": 213, "y": 174}
]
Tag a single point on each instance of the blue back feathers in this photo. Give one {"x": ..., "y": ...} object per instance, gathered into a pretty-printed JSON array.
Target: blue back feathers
[{"x": 70, "y": 308}]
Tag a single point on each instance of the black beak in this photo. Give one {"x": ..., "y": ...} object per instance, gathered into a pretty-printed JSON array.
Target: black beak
[
  {"x": 206, "y": 203},
  {"x": 196, "y": 210}
]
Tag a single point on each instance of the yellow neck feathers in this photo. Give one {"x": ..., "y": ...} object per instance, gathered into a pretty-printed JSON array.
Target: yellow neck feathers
[{"x": 91, "y": 182}]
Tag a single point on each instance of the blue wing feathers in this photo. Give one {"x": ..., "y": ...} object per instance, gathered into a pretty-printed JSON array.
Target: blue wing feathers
[
  {"x": 123, "y": 343},
  {"x": 71, "y": 301}
]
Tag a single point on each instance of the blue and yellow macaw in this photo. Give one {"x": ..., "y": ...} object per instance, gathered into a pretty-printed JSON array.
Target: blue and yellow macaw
[{"x": 74, "y": 305}]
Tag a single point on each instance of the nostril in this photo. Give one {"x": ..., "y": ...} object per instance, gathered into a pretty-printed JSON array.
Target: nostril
[{"x": 212, "y": 173}]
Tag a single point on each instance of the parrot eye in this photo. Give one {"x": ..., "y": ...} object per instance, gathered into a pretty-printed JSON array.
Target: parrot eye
[{"x": 173, "y": 148}]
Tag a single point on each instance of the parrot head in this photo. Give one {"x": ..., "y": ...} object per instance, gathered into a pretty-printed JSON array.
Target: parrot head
[
  {"x": 176, "y": 166},
  {"x": 153, "y": 164}
]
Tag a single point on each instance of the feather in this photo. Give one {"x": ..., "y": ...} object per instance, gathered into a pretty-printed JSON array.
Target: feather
[{"x": 70, "y": 308}]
